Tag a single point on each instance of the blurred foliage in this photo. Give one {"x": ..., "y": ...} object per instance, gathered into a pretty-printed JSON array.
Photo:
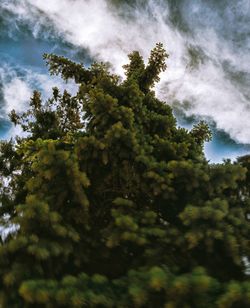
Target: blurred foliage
[{"x": 108, "y": 203}]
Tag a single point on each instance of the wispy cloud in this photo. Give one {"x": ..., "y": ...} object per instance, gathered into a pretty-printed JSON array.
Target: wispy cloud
[
  {"x": 205, "y": 64},
  {"x": 17, "y": 86}
]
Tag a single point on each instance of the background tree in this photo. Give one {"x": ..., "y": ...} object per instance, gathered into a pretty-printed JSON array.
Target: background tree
[{"x": 112, "y": 205}]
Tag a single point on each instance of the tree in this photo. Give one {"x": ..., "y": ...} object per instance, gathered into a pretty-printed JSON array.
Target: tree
[{"x": 110, "y": 204}]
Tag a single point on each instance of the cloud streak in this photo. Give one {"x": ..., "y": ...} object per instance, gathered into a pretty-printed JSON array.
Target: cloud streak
[
  {"x": 17, "y": 86},
  {"x": 208, "y": 69}
]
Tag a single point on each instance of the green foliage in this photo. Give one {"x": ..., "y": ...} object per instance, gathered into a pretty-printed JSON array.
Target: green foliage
[
  {"x": 201, "y": 132},
  {"x": 110, "y": 204},
  {"x": 147, "y": 76}
]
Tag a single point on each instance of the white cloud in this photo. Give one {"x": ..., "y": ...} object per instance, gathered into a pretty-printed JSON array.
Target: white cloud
[
  {"x": 110, "y": 36},
  {"x": 17, "y": 88},
  {"x": 16, "y": 95}
]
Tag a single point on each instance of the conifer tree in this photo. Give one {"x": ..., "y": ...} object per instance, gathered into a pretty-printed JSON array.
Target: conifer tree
[{"x": 108, "y": 203}]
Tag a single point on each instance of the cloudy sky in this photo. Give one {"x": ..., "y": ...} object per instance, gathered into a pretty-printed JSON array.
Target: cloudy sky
[{"x": 208, "y": 42}]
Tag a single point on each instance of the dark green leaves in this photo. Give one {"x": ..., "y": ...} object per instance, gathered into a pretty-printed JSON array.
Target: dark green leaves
[{"x": 112, "y": 205}]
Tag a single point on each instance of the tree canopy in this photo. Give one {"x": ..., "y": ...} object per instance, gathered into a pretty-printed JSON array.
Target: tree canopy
[{"x": 108, "y": 203}]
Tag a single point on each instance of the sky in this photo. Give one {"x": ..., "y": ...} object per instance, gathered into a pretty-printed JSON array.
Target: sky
[{"x": 208, "y": 44}]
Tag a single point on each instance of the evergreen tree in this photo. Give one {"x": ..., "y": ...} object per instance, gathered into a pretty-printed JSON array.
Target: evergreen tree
[{"x": 110, "y": 204}]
